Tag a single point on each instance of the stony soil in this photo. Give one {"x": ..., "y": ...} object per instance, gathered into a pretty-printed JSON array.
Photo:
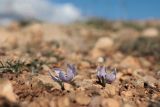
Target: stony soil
[{"x": 132, "y": 48}]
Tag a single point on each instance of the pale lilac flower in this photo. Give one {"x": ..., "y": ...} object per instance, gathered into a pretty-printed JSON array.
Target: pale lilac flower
[
  {"x": 101, "y": 71},
  {"x": 64, "y": 77},
  {"x": 110, "y": 77},
  {"x": 104, "y": 76}
]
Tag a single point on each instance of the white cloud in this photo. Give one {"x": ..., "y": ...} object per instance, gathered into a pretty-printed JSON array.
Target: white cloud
[{"x": 38, "y": 9}]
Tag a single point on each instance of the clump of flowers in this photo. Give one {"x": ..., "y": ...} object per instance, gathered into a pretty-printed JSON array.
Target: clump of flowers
[
  {"x": 104, "y": 76},
  {"x": 62, "y": 77}
]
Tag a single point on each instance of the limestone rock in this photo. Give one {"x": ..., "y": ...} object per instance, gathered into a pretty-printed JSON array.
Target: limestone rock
[
  {"x": 150, "y": 32},
  {"x": 110, "y": 103},
  {"x": 63, "y": 102},
  {"x": 82, "y": 98},
  {"x": 46, "y": 79},
  {"x": 130, "y": 62},
  {"x": 6, "y": 90},
  {"x": 104, "y": 43},
  {"x": 110, "y": 89}
]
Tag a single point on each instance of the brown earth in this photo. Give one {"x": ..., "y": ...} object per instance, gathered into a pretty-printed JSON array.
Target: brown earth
[{"x": 28, "y": 52}]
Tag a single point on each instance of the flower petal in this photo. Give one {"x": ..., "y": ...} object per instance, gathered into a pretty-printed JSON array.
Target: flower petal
[
  {"x": 57, "y": 71},
  {"x": 101, "y": 71},
  {"x": 62, "y": 76},
  {"x": 69, "y": 75},
  {"x": 54, "y": 77},
  {"x": 71, "y": 68},
  {"x": 66, "y": 77},
  {"x": 110, "y": 77}
]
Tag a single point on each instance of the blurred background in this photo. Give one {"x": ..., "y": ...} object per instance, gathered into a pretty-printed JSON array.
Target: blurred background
[
  {"x": 39, "y": 35},
  {"x": 65, "y": 11}
]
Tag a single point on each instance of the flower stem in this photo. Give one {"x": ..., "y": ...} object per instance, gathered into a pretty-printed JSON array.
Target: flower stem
[
  {"x": 62, "y": 86},
  {"x": 103, "y": 83}
]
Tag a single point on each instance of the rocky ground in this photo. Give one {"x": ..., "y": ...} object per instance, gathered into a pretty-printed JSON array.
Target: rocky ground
[{"x": 29, "y": 50}]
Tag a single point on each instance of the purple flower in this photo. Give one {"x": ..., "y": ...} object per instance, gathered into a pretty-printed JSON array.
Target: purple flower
[
  {"x": 64, "y": 77},
  {"x": 101, "y": 71},
  {"x": 104, "y": 76},
  {"x": 110, "y": 77}
]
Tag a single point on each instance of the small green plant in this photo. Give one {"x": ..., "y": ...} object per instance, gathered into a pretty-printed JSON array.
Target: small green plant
[
  {"x": 134, "y": 25},
  {"x": 35, "y": 65},
  {"x": 99, "y": 24},
  {"x": 142, "y": 46},
  {"x": 12, "y": 66}
]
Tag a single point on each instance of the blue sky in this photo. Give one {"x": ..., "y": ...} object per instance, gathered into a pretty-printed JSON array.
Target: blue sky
[
  {"x": 117, "y": 9},
  {"x": 66, "y": 11}
]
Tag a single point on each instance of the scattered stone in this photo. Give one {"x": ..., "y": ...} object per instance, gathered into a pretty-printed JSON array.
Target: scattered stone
[
  {"x": 52, "y": 103},
  {"x": 33, "y": 104},
  {"x": 46, "y": 68},
  {"x": 128, "y": 105},
  {"x": 110, "y": 89},
  {"x": 95, "y": 102},
  {"x": 68, "y": 87},
  {"x": 46, "y": 79},
  {"x": 4, "y": 102},
  {"x": 127, "y": 93},
  {"x": 150, "y": 32},
  {"x": 6, "y": 90},
  {"x": 14, "y": 26},
  {"x": 150, "y": 80},
  {"x": 130, "y": 62},
  {"x": 118, "y": 56},
  {"x": 84, "y": 64},
  {"x": 43, "y": 102},
  {"x": 63, "y": 102},
  {"x": 95, "y": 53},
  {"x": 158, "y": 73},
  {"x": 109, "y": 102},
  {"x": 138, "y": 83},
  {"x": 124, "y": 33},
  {"x": 105, "y": 44},
  {"x": 101, "y": 60},
  {"x": 11, "y": 42},
  {"x": 82, "y": 98},
  {"x": 119, "y": 75},
  {"x": 144, "y": 62},
  {"x": 44, "y": 46},
  {"x": 86, "y": 83}
]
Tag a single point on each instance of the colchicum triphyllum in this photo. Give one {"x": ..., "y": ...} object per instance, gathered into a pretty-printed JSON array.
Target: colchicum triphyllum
[
  {"x": 62, "y": 77},
  {"x": 104, "y": 76}
]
